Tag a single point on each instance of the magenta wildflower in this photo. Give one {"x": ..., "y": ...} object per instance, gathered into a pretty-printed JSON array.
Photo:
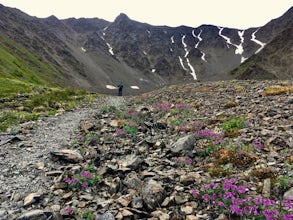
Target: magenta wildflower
[
  {"x": 206, "y": 197},
  {"x": 195, "y": 192},
  {"x": 67, "y": 179},
  {"x": 86, "y": 175},
  {"x": 188, "y": 161},
  {"x": 288, "y": 217},
  {"x": 234, "y": 187},
  {"x": 221, "y": 204},
  {"x": 240, "y": 152},
  {"x": 241, "y": 189},
  {"x": 254, "y": 210},
  {"x": 177, "y": 159},
  {"x": 235, "y": 209},
  {"x": 228, "y": 195},
  {"x": 73, "y": 181},
  {"x": 69, "y": 210},
  {"x": 215, "y": 185},
  {"x": 84, "y": 184},
  {"x": 268, "y": 202},
  {"x": 247, "y": 209},
  {"x": 288, "y": 203},
  {"x": 258, "y": 201}
]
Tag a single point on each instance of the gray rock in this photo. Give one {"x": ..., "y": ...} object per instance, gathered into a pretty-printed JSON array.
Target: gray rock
[
  {"x": 33, "y": 215},
  {"x": 68, "y": 155},
  {"x": 137, "y": 202},
  {"x": 184, "y": 144},
  {"x": 105, "y": 216},
  {"x": 32, "y": 198},
  {"x": 153, "y": 194},
  {"x": 289, "y": 194},
  {"x": 131, "y": 161}
]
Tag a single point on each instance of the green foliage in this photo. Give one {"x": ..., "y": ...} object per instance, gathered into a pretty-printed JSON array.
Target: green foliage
[
  {"x": 107, "y": 109},
  {"x": 18, "y": 63},
  {"x": 37, "y": 102},
  {"x": 285, "y": 182},
  {"x": 233, "y": 123},
  {"x": 82, "y": 180},
  {"x": 130, "y": 129},
  {"x": 15, "y": 118}
]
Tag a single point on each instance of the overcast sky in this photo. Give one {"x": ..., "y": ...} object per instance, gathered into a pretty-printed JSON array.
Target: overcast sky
[{"x": 227, "y": 13}]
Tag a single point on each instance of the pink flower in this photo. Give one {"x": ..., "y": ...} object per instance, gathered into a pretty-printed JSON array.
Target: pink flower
[
  {"x": 69, "y": 210},
  {"x": 236, "y": 210},
  {"x": 188, "y": 161},
  {"x": 258, "y": 201},
  {"x": 195, "y": 192},
  {"x": 206, "y": 197},
  {"x": 288, "y": 217},
  {"x": 84, "y": 184},
  {"x": 241, "y": 189},
  {"x": 220, "y": 203}
]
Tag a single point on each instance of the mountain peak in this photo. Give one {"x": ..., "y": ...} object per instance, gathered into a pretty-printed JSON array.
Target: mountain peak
[{"x": 121, "y": 17}]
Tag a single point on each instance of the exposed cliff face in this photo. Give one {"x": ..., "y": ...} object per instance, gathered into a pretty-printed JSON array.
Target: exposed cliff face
[{"x": 94, "y": 53}]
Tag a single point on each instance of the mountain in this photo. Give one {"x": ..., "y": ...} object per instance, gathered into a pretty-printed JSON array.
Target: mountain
[
  {"x": 95, "y": 54},
  {"x": 273, "y": 62}
]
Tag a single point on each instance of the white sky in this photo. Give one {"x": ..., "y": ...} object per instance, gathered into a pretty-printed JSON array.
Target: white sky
[{"x": 240, "y": 14}]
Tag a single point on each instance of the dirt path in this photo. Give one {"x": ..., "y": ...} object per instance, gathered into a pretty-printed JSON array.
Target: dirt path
[{"x": 24, "y": 159}]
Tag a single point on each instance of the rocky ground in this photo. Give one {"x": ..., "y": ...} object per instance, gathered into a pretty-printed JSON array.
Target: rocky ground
[{"x": 213, "y": 150}]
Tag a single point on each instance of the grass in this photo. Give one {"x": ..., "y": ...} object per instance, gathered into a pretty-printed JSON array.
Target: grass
[
  {"x": 18, "y": 63},
  {"x": 277, "y": 90},
  {"x": 38, "y": 102}
]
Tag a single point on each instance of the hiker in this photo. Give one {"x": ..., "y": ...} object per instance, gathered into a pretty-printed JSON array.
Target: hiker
[{"x": 120, "y": 87}]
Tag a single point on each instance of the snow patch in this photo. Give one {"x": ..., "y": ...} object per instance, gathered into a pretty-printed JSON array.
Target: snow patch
[
  {"x": 253, "y": 38},
  {"x": 182, "y": 64},
  {"x": 172, "y": 40},
  {"x": 153, "y": 70},
  {"x": 145, "y": 53},
  {"x": 134, "y": 87},
  {"x": 105, "y": 28},
  {"x": 110, "y": 49},
  {"x": 199, "y": 40},
  {"x": 185, "y": 47},
  {"x": 203, "y": 56},
  {"x": 192, "y": 69},
  {"x": 239, "y": 48},
  {"x": 111, "y": 87},
  {"x": 192, "y": 72},
  {"x": 83, "y": 50},
  {"x": 149, "y": 33}
]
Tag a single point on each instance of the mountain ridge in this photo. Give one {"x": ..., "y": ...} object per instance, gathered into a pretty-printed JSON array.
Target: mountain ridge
[{"x": 93, "y": 53}]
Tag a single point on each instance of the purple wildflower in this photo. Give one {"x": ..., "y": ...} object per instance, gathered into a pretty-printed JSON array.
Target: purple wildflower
[
  {"x": 220, "y": 203},
  {"x": 188, "y": 160},
  {"x": 288, "y": 217},
  {"x": 194, "y": 192},
  {"x": 258, "y": 201},
  {"x": 69, "y": 210},
  {"x": 240, "y": 152},
  {"x": 228, "y": 195},
  {"x": 241, "y": 189},
  {"x": 236, "y": 210},
  {"x": 67, "y": 180},
  {"x": 206, "y": 197},
  {"x": 268, "y": 202},
  {"x": 84, "y": 184},
  {"x": 288, "y": 203}
]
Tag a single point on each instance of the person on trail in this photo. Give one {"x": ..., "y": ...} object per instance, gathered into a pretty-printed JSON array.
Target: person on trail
[{"x": 120, "y": 87}]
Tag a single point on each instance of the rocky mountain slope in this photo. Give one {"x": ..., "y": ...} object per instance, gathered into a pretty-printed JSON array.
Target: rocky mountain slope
[
  {"x": 161, "y": 155},
  {"x": 96, "y": 54},
  {"x": 273, "y": 62}
]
